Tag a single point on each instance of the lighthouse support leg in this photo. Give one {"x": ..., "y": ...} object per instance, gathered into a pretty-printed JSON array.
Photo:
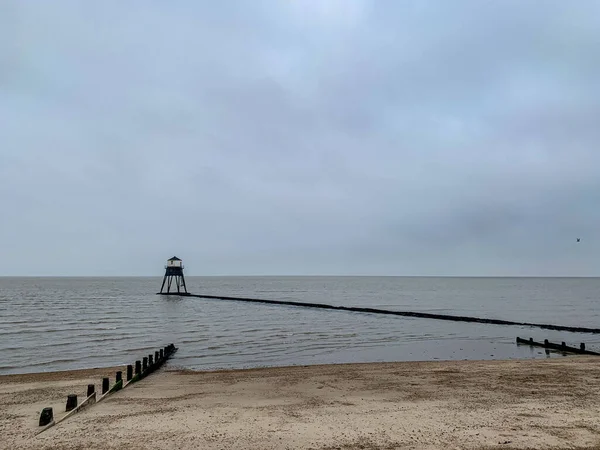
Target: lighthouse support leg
[
  {"x": 183, "y": 283},
  {"x": 163, "y": 284}
]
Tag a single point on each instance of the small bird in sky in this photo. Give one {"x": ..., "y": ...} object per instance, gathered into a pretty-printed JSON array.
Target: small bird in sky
[{"x": 578, "y": 239}]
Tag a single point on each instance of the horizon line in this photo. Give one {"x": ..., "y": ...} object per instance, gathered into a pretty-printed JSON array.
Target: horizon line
[{"x": 304, "y": 276}]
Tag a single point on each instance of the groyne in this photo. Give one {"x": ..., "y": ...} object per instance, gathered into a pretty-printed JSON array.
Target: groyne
[{"x": 415, "y": 314}]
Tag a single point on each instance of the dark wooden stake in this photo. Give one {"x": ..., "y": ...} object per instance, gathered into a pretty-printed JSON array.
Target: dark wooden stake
[
  {"x": 46, "y": 416},
  {"x": 105, "y": 385},
  {"x": 90, "y": 390},
  {"x": 129, "y": 372},
  {"x": 71, "y": 402}
]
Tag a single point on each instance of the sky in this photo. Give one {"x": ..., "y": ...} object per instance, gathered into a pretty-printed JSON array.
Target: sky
[{"x": 300, "y": 137}]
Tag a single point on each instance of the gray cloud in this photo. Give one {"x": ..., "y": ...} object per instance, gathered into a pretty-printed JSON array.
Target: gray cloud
[{"x": 370, "y": 137}]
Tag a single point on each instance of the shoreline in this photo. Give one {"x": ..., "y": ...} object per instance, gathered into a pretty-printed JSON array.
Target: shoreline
[
  {"x": 74, "y": 374},
  {"x": 69, "y": 374},
  {"x": 517, "y": 404}
]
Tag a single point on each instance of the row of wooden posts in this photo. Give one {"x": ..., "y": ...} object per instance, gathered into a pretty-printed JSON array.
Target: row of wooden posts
[
  {"x": 581, "y": 350},
  {"x": 141, "y": 369}
]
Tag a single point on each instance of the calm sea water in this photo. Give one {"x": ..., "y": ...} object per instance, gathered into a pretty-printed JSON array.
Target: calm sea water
[{"x": 66, "y": 323}]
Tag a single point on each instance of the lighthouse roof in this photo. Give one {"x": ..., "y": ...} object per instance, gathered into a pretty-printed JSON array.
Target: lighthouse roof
[{"x": 174, "y": 258}]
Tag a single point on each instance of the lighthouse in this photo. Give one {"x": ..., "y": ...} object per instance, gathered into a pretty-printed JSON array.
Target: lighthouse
[{"x": 174, "y": 271}]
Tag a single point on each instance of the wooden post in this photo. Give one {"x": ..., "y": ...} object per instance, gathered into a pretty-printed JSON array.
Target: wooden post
[
  {"x": 545, "y": 342},
  {"x": 156, "y": 356},
  {"x": 138, "y": 367},
  {"x": 161, "y": 353},
  {"x": 119, "y": 376},
  {"x": 563, "y": 345},
  {"x": 105, "y": 385},
  {"x": 531, "y": 340},
  {"x": 129, "y": 372},
  {"x": 150, "y": 360},
  {"x": 46, "y": 416},
  {"x": 167, "y": 351},
  {"x": 582, "y": 347},
  {"x": 144, "y": 363},
  {"x": 71, "y": 402},
  {"x": 90, "y": 390}
]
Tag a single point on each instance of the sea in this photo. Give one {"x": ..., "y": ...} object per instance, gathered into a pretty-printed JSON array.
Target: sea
[{"x": 49, "y": 324}]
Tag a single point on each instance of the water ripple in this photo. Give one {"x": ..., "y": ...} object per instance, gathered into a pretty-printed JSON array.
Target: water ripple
[{"x": 67, "y": 323}]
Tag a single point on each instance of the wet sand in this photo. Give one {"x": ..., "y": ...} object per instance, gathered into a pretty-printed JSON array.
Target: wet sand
[{"x": 429, "y": 405}]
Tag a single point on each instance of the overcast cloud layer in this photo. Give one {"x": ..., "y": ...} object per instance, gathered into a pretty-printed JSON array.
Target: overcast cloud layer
[{"x": 300, "y": 137}]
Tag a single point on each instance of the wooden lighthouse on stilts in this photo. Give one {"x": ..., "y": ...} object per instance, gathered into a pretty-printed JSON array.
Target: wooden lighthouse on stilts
[{"x": 174, "y": 271}]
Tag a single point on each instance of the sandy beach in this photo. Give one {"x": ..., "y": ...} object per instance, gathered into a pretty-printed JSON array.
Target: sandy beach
[{"x": 428, "y": 405}]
